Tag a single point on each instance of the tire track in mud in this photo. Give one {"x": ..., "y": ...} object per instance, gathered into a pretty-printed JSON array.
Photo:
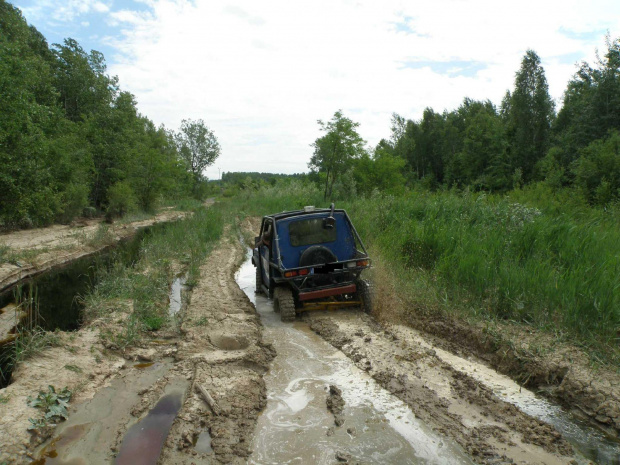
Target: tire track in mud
[
  {"x": 491, "y": 430},
  {"x": 222, "y": 346}
]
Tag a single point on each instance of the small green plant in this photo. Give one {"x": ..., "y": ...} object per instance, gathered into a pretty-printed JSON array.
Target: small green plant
[
  {"x": 53, "y": 405},
  {"x": 74, "y": 368},
  {"x": 202, "y": 321},
  {"x": 153, "y": 323},
  {"x": 4, "y": 398}
]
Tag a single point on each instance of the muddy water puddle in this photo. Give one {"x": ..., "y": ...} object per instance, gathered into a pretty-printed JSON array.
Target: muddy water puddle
[
  {"x": 92, "y": 428},
  {"x": 296, "y": 426},
  {"x": 143, "y": 442},
  {"x": 176, "y": 294}
]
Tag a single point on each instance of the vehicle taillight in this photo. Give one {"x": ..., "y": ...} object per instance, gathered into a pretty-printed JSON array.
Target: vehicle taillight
[
  {"x": 292, "y": 274},
  {"x": 362, "y": 263}
]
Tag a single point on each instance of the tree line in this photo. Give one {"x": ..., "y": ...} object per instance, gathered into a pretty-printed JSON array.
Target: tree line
[
  {"x": 73, "y": 143},
  {"x": 483, "y": 147}
]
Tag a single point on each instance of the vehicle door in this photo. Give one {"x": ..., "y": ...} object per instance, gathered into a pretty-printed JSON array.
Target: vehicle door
[{"x": 265, "y": 249}]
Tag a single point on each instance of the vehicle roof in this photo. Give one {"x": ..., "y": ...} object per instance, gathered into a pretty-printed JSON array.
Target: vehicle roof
[{"x": 289, "y": 214}]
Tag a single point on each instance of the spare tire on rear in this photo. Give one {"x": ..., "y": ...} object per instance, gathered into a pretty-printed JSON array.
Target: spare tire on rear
[{"x": 317, "y": 255}]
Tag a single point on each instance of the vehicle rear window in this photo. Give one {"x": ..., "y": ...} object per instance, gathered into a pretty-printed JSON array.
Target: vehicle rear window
[{"x": 306, "y": 232}]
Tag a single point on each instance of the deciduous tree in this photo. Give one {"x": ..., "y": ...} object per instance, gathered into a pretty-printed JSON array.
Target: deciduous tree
[
  {"x": 334, "y": 151},
  {"x": 197, "y": 146}
]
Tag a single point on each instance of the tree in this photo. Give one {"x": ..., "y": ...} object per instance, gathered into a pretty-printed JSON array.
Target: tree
[
  {"x": 529, "y": 112},
  {"x": 597, "y": 171},
  {"x": 591, "y": 105},
  {"x": 334, "y": 151},
  {"x": 198, "y": 147}
]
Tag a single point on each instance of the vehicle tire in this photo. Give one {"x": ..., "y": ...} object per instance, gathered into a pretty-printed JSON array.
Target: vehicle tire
[
  {"x": 284, "y": 303},
  {"x": 365, "y": 294},
  {"x": 259, "y": 281}
]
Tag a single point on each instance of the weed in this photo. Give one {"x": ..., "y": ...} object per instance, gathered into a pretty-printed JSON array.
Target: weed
[
  {"x": 18, "y": 258},
  {"x": 74, "y": 368},
  {"x": 102, "y": 237},
  {"x": 27, "y": 344},
  {"x": 202, "y": 321},
  {"x": 53, "y": 405},
  {"x": 4, "y": 398},
  {"x": 4, "y": 253}
]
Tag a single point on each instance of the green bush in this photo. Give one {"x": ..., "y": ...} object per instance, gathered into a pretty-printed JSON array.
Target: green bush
[
  {"x": 75, "y": 201},
  {"x": 121, "y": 199}
]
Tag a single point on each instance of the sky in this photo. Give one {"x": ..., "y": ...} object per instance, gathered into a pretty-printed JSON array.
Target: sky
[{"x": 261, "y": 73}]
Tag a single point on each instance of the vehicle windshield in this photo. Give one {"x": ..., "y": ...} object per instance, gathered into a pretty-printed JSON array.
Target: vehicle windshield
[{"x": 311, "y": 231}]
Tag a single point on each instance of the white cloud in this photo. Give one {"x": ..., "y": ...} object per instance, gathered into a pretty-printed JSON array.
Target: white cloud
[{"x": 261, "y": 73}]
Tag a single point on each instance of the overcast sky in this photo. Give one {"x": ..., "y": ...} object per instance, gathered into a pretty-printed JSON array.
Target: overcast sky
[{"x": 261, "y": 73}]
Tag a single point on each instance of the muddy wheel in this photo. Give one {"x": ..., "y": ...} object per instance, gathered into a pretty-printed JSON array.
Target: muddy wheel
[
  {"x": 284, "y": 303},
  {"x": 259, "y": 281},
  {"x": 365, "y": 294}
]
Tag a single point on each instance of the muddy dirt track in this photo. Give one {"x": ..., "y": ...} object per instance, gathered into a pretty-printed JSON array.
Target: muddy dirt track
[{"x": 239, "y": 386}]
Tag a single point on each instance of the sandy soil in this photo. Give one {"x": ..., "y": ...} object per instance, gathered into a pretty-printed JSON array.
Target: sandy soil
[{"x": 43, "y": 248}]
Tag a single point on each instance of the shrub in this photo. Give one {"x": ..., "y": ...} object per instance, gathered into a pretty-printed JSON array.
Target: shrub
[{"x": 121, "y": 199}]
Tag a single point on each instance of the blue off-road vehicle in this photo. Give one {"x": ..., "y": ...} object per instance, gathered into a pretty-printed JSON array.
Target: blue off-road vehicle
[{"x": 311, "y": 259}]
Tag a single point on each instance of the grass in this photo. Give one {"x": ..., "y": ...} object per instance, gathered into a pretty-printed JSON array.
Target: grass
[
  {"x": 534, "y": 257},
  {"x": 4, "y": 253},
  {"x": 73, "y": 368},
  {"x": 102, "y": 237},
  {"x": 18, "y": 257},
  {"x": 142, "y": 290},
  {"x": 27, "y": 344}
]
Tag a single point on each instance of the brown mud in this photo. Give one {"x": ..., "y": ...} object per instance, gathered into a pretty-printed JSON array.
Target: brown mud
[{"x": 489, "y": 429}]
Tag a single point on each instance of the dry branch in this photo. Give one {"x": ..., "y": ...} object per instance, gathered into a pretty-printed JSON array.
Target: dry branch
[{"x": 208, "y": 399}]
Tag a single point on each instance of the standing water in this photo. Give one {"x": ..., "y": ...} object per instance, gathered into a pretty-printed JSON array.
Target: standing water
[{"x": 296, "y": 426}]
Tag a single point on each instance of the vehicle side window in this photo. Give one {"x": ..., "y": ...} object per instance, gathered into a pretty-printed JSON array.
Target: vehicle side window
[{"x": 267, "y": 235}]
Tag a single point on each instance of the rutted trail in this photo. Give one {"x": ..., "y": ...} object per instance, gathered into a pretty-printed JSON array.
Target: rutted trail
[
  {"x": 222, "y": 345},
  {"x": 491, "y": 430},
  {"x": 322, "y": 408}
]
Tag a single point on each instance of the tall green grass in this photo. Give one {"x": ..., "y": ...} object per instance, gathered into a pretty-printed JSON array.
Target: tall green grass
[
  {"x": 521, "y": 263},
  {"x": 548, "y": 261}
]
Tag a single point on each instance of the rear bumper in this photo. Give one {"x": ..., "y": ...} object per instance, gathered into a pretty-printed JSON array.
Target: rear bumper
[{"x": 328, "y": 292}]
